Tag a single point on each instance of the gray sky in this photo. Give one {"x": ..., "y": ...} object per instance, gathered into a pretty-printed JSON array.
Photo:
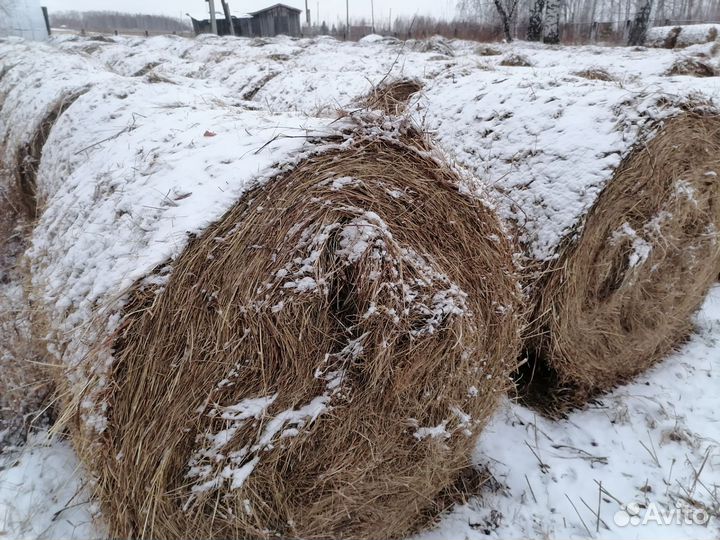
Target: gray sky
[{"x": 330, "y": 10}]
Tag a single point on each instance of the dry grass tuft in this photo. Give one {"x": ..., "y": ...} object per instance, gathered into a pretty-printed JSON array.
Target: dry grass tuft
[
  {"x": 147, "y": 68},
  {"x": 516, "y": 60},
  {"x": 487, "y": 50},
  {"x": 392, "y": 97},
  {"x": 253, "y": 88},
  {"x": 622, "y": 295},
  {"x": 595, "y": 74},
  {"x": 692, "y": 67},
  {"x": 364, "y": 297}
]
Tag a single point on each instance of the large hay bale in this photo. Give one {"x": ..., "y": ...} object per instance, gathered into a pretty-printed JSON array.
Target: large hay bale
[
  {"x": 37, "y": 84},
  {"x": 317, "y": 362},
  {"x": 618, "y": 215},
  {"x": 622, "y": 294},
  {"x": 670, "y": 37},
  {"x": 692, "y": 67}
]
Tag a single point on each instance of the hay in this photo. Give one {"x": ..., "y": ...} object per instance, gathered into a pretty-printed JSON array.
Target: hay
[
  {"x": 595, "y": 74},
  {"x": 692, "y": 67},
  {"x": 516, "y": 60},
  {"x": 22, "y": 193},
  {"x": 487, "y": 50},
  {"x": 254, "y": 87},
  {"x": 323, "y": 347},
  {"x": 392, "y": 97},
  {"x": 621, "y": 297},
  {"x": 25, "y": 384},
  {"x": 436, "y": 44}
]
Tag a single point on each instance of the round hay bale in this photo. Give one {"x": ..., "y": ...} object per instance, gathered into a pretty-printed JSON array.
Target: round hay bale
[
  {"x": 692, "y": 67},
  {"x": 617, "y": 216},
  {"x": 319, "y": 363},
  {"x": 331, "y": 360},
  {"x": 37, "y": 84},
  {"x": 622, "y": 295}
]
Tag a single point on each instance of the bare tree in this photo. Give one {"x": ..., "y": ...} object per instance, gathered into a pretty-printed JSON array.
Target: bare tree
[
  {"x": 640, "y": 24},
  {"x": 535, "y": 21},
  {"x": 506, "y": 9},
  {"x": 552, "y": 22}
]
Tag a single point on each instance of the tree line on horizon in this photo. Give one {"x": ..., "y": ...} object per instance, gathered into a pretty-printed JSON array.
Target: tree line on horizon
[{"x": 551, "y": 21}]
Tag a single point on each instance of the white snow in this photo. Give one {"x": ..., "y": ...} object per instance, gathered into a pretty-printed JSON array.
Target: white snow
[
  {"x": 641, "y": 248},
  {"x": 43, "y": 493},
  {"x": 655, "y": 442}
]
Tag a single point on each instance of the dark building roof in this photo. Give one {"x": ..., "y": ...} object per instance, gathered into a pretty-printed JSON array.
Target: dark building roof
[{"x": 290, "y": 8}]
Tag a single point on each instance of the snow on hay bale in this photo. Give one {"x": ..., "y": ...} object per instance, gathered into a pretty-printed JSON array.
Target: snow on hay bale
[
  {"x": 615, "y": 198},
  {"x": 669, "y": 37},
  {"x": 315, "y": 360},
  {"x": 692, "y": 67},
  {"x": 37, "y": 84}
]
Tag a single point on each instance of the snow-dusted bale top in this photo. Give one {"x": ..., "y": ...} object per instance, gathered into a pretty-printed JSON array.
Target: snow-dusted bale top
[
  {"x": 319, "y": 76},
  {"x": 548, "y": 143}
]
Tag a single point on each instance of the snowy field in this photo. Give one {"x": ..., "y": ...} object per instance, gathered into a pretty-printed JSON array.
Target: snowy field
[{"x": 640, "y": 462}]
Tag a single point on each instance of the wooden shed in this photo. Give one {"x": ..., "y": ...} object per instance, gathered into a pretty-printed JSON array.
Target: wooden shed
[{"x": 277, "y": 19}]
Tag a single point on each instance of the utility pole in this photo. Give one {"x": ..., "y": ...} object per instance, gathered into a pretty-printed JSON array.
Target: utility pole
[
  {"x": 307, "y": 14},
  {"x": 390, "y": 21},
  {"x": 372, "y": 15},
  {"x": 228, "y": 18},
  {"x": 213, "y": 22},
  {"x": 347, "y": 19}
]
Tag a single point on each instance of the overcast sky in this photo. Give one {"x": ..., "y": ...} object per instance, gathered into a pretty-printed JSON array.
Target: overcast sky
[{"x": 330, "y": 10}]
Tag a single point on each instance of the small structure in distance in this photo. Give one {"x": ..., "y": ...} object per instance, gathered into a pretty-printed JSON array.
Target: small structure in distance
[{"x": 268, "y": 22}]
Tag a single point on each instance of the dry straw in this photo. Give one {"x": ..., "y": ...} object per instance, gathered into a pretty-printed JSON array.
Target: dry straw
[
  {"x": 22, "y": 188},
  {"x": 621, "y": 296},
  {"x": 26, "y": 386},
  {"x": 392, "y": 97},
  {"x": 692, "y": 67},
  {"x": 341, "y": 335}
]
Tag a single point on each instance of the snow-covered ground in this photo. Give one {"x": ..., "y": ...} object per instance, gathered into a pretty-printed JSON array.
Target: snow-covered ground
[{"x": 646, "y": 448}]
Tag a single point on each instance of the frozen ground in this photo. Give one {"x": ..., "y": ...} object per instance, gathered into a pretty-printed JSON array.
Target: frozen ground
[{"x": 648, "y": 447}]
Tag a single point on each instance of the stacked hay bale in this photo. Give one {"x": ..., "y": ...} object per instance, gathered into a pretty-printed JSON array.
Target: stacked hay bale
[
  {"x": 615, "y": 199},
  {"x": 266, "y": 332},
  {"x": 36, "y": 84},
  {"x": 669, "y": 37}
]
